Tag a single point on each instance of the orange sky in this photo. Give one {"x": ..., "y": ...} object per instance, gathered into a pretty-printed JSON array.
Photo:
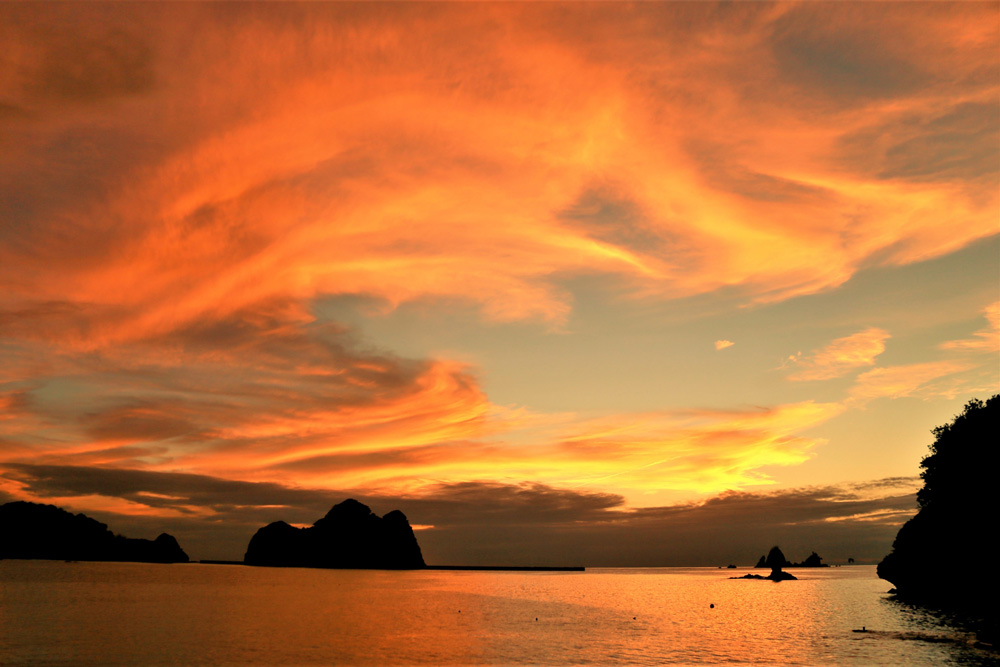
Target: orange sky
[{"x": 663, "y": 251}]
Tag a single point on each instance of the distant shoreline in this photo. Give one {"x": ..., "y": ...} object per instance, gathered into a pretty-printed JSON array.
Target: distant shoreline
[
  {"x": 483, "y": 568},
  {"x": 487, "y": 568},
  {"x": 509, "y": 568}
]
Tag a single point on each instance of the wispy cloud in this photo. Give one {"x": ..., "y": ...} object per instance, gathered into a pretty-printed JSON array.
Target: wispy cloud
[
  {"x": 702, "y": 450},
  {"x": 369, "y": 167},
  {"x": 986, "y": 339},
  {"x": 184, "y": 182},
  {"x": 723, "y": 344},
  {"x": 906, "y": 380},
  {"x": 841, "y": 356}
]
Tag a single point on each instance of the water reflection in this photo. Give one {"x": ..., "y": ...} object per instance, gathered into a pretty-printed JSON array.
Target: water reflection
[
  {"x": 965, "y": 630},
  {"x": 132, "y": 614}
]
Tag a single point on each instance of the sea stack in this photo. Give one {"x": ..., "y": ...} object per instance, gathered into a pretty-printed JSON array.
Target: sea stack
[
  {"x": 350, "y": 536},
  {"x": 776, "y": 560}
]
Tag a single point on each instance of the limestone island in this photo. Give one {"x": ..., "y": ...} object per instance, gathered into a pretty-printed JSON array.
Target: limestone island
[
  {"x": 47, "y": 532},
  {"x": 350, "y": 536},
  {"x": 814, "y": 560},
  {"x": 775, "y": 560}
]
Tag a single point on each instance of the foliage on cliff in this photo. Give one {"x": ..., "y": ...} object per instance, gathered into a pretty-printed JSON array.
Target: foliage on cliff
[{"x": 956, "y": 522}]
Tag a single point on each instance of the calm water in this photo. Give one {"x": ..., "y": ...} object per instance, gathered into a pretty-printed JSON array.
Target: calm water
[{"x": 80, "y": 614}]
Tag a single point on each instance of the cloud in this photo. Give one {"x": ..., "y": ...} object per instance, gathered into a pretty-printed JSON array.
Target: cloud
[
  {"x": 907, "y": 380},
  {"x": 267, "y": 394},
  {"x": 841, "y": 356},
  {"x": 986, "y": 339},
  {"x": 342, "y": 159},
  {"x": 723, "y": 344},
  {"x": 696, "y": 450},
  {"x": 493, "y": 523},
  {"x": 722, "y": 529},
  {"x": 251, "y": 398},
  {"x": 161, "y": 490},
  {"x": 701, "y": 451},
  {"x": 249, "y": 395},
  {"x": 414, "y": 442},
  {"x": 183, "y": 182}
]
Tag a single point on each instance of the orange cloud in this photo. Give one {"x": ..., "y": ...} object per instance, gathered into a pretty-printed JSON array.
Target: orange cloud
[
  {"x": 246, "y": 400},
  {"x": 701, "y": 451},
  {"x": 183, "y": 182},
  {"x": 348, "y": 158},
  {"x": 894, "y": 517},
  {"x": 907, "y": 380},
  {"x": 841, "y": 356},
  {"x": 723, "y": 344},
  {"x": 309, "y": 408},
  {"x": 984, "y": 340}
]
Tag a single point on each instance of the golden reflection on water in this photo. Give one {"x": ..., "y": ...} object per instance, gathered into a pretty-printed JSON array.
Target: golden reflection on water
[{"x": 132, "y": 614}]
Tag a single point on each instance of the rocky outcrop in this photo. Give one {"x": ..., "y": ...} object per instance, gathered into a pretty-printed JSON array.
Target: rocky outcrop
[
  {"x": 957, "y": 506},
  {"x": 35, "y": 531},
  {"x": 814, "y": 560},
  {"x": 780, "y": 576},
  {"x": 775, "y": 560},
  {"x": 349, "y": 536}
]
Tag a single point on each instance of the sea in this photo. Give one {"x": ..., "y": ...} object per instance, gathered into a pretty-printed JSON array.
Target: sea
[{"x": 106, "y": 614}]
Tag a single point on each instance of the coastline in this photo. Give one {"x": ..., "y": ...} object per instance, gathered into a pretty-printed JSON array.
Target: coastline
[{"x": 473, "y": 568}]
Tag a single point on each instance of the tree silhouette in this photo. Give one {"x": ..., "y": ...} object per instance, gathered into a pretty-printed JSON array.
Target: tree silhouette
[{"x": 936, "y": 552}]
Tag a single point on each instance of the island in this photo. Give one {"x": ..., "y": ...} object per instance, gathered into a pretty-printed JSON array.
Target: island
[
  {"x": 775, "y": 560},
  {"x": 37, "y": 531},
  {"x": 814, "y": 560},
  {"x": 938, "y": 554},
  {"x": 350, "y": 536}
]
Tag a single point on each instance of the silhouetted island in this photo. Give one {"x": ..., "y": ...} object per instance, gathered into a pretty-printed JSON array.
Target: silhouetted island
[
  {"x": 36, "y": 531},
  {"x": 957, "y": 507},
  {"x": 814, "y": 560},
  {"x": 775, "y": 560},
  {"x": 349, "y": 536}
]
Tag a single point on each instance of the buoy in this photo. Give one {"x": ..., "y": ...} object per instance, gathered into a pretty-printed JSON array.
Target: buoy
[{"x": 711, "y": 606}]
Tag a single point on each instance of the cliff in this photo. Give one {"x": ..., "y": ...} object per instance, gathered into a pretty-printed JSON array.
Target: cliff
[
  {"x": 954, "y": 524},
  {"x": 35, "y": 531},
  {"x": 349, "y": 536}
]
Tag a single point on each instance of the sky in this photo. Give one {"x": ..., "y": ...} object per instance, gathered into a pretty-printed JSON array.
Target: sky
[{"x": 599, "y": 283}]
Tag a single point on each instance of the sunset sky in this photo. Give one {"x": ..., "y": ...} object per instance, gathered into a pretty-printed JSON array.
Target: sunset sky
[{"x": 617, "y": 284}]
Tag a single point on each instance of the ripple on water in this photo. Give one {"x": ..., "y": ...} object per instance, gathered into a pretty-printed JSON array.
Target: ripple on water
[{"x": 91, "y": 614}]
